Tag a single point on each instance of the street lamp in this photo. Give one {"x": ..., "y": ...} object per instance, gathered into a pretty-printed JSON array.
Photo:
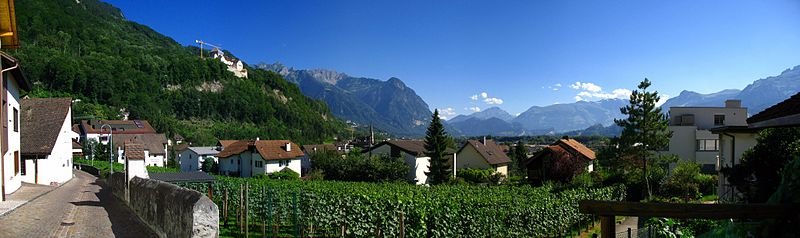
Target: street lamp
[{"x": 108, "y": 141}]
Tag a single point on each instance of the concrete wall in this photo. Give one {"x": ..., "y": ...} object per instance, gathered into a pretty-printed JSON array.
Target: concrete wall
[
  {"x": 190, "y": 161},
  {"x": 469, "y": 157},
  {"x": 169, "y": 210},
  {"x": 729, "y": 149},
  {"x": 704, "y": 116}
]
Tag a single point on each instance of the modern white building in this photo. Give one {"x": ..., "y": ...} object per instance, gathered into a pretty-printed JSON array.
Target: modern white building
[
  {"x": 413, "y": 153},
  {"x": 692, "y": 139},
  {"x": 247, "y": 158},
  {"x": 155, "y": 147},
  {"x": 46, "y": 140},
  {"x": 12, "y": 84},
  {"x": 193, "y": 157}
]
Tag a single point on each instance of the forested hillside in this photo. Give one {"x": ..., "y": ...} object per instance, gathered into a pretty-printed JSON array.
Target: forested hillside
[{"x": 89, "y": 51}]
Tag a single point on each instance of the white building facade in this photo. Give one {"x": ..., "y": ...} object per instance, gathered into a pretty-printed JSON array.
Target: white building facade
[
  {"x": 247, "y": 158},
  {"x": 692, "y": 139},
  {"x": 12, "y": 84},
  {"x": 191, "y": 159},
  {"x": 47, "y": 144}
]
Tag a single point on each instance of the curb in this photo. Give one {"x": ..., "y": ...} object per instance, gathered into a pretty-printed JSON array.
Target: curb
[{"x": 36, "y": 197}]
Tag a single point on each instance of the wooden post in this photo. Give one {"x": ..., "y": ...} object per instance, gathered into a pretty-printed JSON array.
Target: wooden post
[
  {"x": 210, "y": 191},
  {"x": 402, "y": 225},
  {"x": 246, "y": 209},
  {"x": 225, "y": 208},
  {"x": 607, "y": 226},
  {"x": 239, "y": 220}
]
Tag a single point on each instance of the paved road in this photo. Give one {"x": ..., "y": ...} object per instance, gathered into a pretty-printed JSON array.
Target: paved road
[{"x": 84, "y": 207}]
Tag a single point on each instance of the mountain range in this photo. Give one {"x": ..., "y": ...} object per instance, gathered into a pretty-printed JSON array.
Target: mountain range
[{"x": 387, "y": 105}]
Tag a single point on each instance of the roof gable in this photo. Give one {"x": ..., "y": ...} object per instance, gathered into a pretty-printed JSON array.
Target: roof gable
[
  {"x": 41, "y": 122},
  {"x": 268, "y": 149},
  {"x": 784, "y": 113},
  {"x": 491, "y": 152},
  {"x": 134, "y": 151},
  {"x": 574, "y": 146},
  {"x": 154, "y": 143}
]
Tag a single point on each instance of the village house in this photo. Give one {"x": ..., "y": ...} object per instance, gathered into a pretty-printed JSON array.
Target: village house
[
  {"x": 46, "y": 139},
  {"x": 135, "y": 158},
  {"x": 235, "y": 65},
  {"x": 692, "y": 136},
  {"x": 566, "y": 149},
  {"x": 154, "y": 146},
  {"x": 91, "y": 129},
  {"x": 192, "y": 158},
  {"x": 736, "y": 139},
  {"x": 309, "y": 150},
  {"x": 485, "y": 154},
  {"x": 12, "y": 85},
  {"x": 413, "y": 153},
  {"x": 247, "y": 158}
]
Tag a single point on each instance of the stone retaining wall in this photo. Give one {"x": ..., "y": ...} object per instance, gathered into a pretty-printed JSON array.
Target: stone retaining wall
[{"x": 170, "y": 210}]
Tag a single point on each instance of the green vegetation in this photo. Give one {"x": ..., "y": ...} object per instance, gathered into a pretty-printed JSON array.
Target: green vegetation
[
  {"x": 775, "y": 148},
  {"x": 102, "y": 166},
  {"x": 436, "y": 142},
  {"x": 686, "y": 182},
  {"x": 90, "y": 52},
  {"x": 645, "y": 130},
  {"x": 366, "y": 209},
  {"x": 359, "y": 167},
  {"x": 479, "y": 176}
]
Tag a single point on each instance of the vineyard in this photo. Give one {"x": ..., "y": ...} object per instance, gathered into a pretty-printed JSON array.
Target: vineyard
[{"x": 326, "y": 208}]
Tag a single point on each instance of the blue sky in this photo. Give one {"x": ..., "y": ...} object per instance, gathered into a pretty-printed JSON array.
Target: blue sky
[{"x": 519, "y": 53}]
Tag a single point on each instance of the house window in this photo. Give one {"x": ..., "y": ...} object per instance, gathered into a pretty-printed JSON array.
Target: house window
[
  {"x": 283, "y": 163},
  {"x": 707, "y": 145},
  {"x": 719, "y": 120},
  {"x": 231, "y": 161},
  {"x": 259, "y": 164},
  {"x": 23, "y": 169},
  {"x": 16, "y": 162},
  {"x": 16, "y": 121}
]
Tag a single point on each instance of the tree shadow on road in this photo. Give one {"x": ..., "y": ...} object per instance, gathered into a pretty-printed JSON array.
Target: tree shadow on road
[{"x": 124, "y": 223}]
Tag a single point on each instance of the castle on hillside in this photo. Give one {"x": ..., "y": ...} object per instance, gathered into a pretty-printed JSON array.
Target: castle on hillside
[{"x": 234, "y": 65}]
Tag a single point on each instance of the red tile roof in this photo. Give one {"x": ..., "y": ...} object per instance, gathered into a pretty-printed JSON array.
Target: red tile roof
[
  {"x": 118, "y": 126},
  {"x": 576, "y": 147},
  {"x": 491, "y": 152},
  {"x": 134, "y": 151},
  {"x": 268, "y": 149}
]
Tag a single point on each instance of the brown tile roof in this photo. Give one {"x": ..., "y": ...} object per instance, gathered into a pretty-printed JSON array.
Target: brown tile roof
[
  {"x": 134, "y": 151},
  {"x": 118, "y": 126},
  {"x": 154, "y": 143},
  {"x": 413, "y": 147},
  {"x": 76, "y": 145},
  {"x": 41, "y": 122},
  {"x": 576, "y": 147},
  {"x": 491, "y": 152},
  {"x": 180, "y": 147},
  {"x": 268, "y": 149},
  {"x": 784, "y": 109},
  {"x": 226, "y": 143}
]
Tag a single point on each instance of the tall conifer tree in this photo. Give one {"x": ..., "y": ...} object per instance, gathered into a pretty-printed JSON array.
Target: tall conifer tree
[{"x": 436, "y": 142}]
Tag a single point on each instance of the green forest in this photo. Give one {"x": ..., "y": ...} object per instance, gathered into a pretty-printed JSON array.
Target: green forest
[{"x": 89, "y": 51}]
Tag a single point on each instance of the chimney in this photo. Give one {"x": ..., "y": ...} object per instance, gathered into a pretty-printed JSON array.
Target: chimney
[
  {"x": 484, "y": 140},
  {"x": 288, "y": 147},
  {"x": 733, "y": 103}
]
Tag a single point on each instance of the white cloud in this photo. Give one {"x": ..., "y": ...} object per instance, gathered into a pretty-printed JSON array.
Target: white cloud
[
  {"x": 473, "y": 109},
  {"x": 619, "y": 93},
  {"x": 663, "y": 99},
  {"x": 484, "y": 95},
  {"x": 493, "y": 101},
  {"x": 474, "y": 97},
  {"x": 555, "y": 87},
  {"x": 586, "y": 87},
  {"x": 445, "y": 113}
]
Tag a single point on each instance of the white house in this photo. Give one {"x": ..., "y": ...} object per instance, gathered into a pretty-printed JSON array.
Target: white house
[
  {"x": 135, "y": 158},
  {"x": 192, "y": 158},
  {"x": 234, "y": 65},
  {"x": 483, "y": 155},
  {"x": 46, "y": 140},
  {"x": 412, "y": 152},
  {"x": 692, "y": 138},
  {"x": 12, "y": 84},
  {"x": 248, "y": 158},
  {"x": 155, "y": 147}
]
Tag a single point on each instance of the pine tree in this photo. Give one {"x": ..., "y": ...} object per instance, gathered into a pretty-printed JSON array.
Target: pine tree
[
  {"x": 520, "y": 156},
  {"x": 436, "y": 142},
  {"x": 646, "y": 129}
]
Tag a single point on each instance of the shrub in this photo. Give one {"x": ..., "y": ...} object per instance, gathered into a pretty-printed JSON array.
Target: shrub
[
  {"x": 285, "y": 173},
  {"x": 359, "y": 168},
  {"x": 473, "y": 175}
]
